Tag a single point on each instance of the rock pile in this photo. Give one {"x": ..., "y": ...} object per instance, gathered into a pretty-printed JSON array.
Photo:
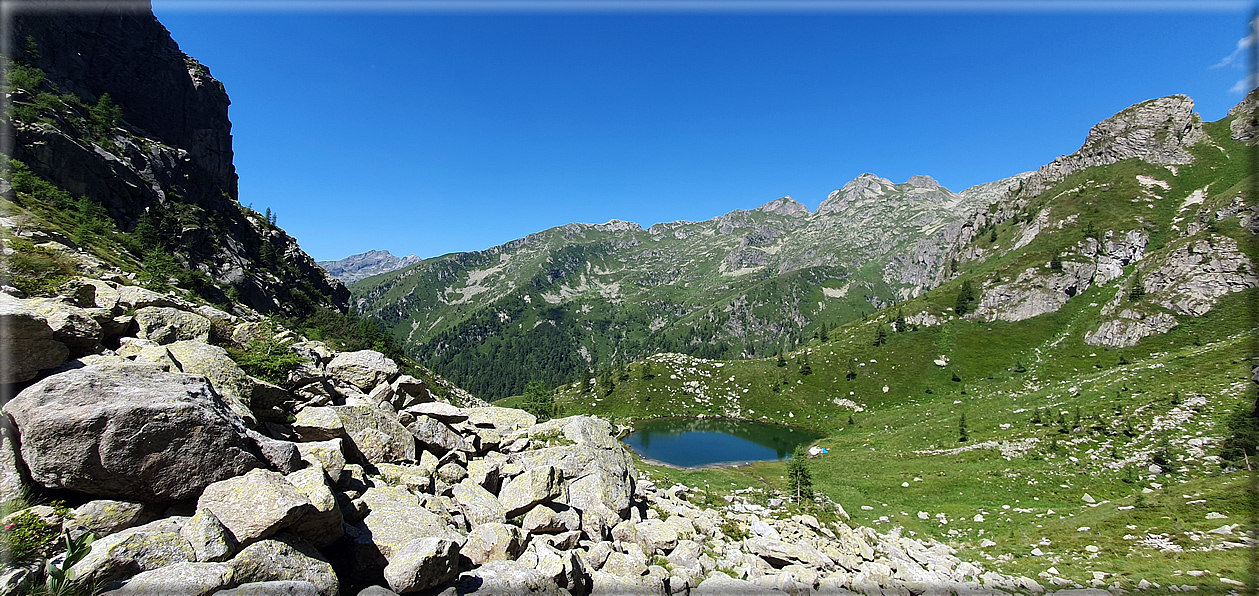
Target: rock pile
[{"x": 351, "y": 477}]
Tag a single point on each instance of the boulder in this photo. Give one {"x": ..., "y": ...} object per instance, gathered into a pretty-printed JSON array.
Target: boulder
[
  {"x": 780, "y": 554},
  {"x": 363, "y": 369},
  {"x": 11, "y": 467},
  {"x": 318, "y": 424},
  {"x": 285, "y": 558},
  {"x": 120, "y": 556},
  {"x": 323, "y": 525},
  {"x": 493, "y": 542},
  {"x": 720, "y": 584},
  {"x": 71, "y": 325},
  {"x": 199, "y": 358},
  {"x": 423, "y": 563},
  {"x": 435, "y": 435},
  {"x": 184, "y": 578},
  {"x": 551, "y": 518},
  {"x": 438, "y": 410},
  {"x": 273, "y": 588},
  {"x": 136, "y": 297},
  {"x": 565, "y": 568},
  {"x": 28, "y": 341},
  {"x": 166, "y": 325},
  {"x": 655, "y": 536},
  {"x": 281, "y": 455},
  {"x": 415, "y": 478},
  {"x": 479, "y": 506},
  {"x": 211, "y": 541},
  {"x": 394, "y": 518},
  {"x": 376, "y": 437},
  {"x": 501, "y": 419},
  {"x": 507, "y": 578},
  {"x": 603, "y": 583},
  {"x": 326, "y": 455},
  {"x": 129, "y": 431},
  {"x": 535, "y": 486},
  {"x": 409, "y": 391},
  {"x": 256, "y": 505},
  {"x": 104, "y": 517}
]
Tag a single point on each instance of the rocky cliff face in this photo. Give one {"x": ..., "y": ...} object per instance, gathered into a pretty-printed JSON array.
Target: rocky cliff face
[
  {"x": 164, "y": 155},
  {"x": 364, "y": 265}
]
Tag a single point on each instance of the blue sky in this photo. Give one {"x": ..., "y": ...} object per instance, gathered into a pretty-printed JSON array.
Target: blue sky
[{"x": 430, "y": 132}]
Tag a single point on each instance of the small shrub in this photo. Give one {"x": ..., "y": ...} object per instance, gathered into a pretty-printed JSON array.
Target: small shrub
[
  {"x": 35, "y": 270},
  {"x": 267, "y": 359},
  {"x": 27, "y": 536}
]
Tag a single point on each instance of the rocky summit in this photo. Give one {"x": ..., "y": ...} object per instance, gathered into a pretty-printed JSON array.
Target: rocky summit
[{"x": 364, "y": 265}]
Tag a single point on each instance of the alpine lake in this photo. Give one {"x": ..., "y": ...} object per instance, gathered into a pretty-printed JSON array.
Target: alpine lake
[{"x": 711, "y": 442}]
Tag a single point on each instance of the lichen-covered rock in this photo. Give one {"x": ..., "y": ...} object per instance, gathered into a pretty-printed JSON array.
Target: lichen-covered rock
[
  {"x": 376, "y": 437},
  {"x": 130, "y": 432},
  {"x": 168, "y": 325},
  {"x": 255, "y": 505},
  {"x": 409, "y": 391},
  {"x": 211, "y": 541},
  {"x": 363, "y": 369},
  {"x": 423, "y": 563},
  {"x": 11, "y": 483},
  {"x": 325, "y": 454},
  {"x": 28, "y": 341},
  {"x": 192, "y": 579},
  {"x": 501, "y": 419},
  {"x": 318, "y": 424},
  {"x": 394, "y": 518},
  {"x": 535, "y": 486},
  {"x": 493, "y": 542},
  {"x": 439, "y": 410},
  {"x": 323, "y": 525},
  {"x": 415, "y": 478},
  {"x": 507, "y": 578},
  {"x": 71, "y": 325},
  {"x": 285, "y": 558},
  {"x": 435, "y": 435},
  {"x": 143, "y": 548},
  {"x": 199, "y": 358},
  {"x": 273, "y": 588},
  {"x": 104, "y": 517}
]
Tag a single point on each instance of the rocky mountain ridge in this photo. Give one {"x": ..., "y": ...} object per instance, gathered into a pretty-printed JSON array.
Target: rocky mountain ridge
[
  {"x": 362, "y": 265},
  {"x": 747, "y": 283}
]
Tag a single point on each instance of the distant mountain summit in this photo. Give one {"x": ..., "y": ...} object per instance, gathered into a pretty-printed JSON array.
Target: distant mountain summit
[{"x": 364, "y": 265}]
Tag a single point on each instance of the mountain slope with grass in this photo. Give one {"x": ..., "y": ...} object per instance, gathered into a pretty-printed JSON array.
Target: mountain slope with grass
[
  {"x": 559, "y": 303},
  {"x": 1078, "y": 394}
]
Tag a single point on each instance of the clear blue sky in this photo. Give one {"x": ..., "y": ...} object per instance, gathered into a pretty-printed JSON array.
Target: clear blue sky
[{"x": 427, "y": 133}]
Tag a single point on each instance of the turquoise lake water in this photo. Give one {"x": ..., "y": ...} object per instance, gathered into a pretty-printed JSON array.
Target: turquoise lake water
[{"x": 688, "y": 442}]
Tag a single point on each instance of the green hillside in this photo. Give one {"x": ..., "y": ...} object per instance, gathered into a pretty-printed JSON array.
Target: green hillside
[
  {"x": 747, "y": 284},
  {"x": 1049, "y": 416}
]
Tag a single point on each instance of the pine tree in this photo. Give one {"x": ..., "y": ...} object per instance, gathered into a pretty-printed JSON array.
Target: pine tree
[
  {"x": 805, "y": 369},
  {"x": 781, "y": 361},
  {"x": 964, "y": 297},
  {"x": 825, "y": 337},
  {"x": 901, "y": 326},
  {"x": 539, "y": 401},
  {"x": 1056, "y": 263},
  {"x": 1137, "y": 291},
  {"x": 880, "y": 335},
  {"x": 799, "y": 479},
  {"x": 962, "y": 435},
  {"x": 1036, "y": 416},
  {"x": 993, "y": 236}
]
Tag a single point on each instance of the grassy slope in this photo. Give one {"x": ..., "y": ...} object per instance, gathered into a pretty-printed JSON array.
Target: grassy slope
[{"x": 1193, "y": 376}]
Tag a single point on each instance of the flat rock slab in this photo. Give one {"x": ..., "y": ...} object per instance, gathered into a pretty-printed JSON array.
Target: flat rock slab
[
  {"x": 256, "y": 505},
  {"x": 364, "y": 369},
  {"x": 377, "y": 437},
  {"x": 131, "y": 432}
]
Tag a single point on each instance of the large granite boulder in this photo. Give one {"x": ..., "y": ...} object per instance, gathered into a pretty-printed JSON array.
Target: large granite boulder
[
  {"x": 143, "y": 548},
  {"x": 129, "y": 431},
  {"x": 394, "y": 518},
  {"x": 377, "y": 437},
  {"x": 70, "y": 325},
  {"x": 28, "y": 341},
  {"x": 422, "y": 564},
  {"x": 285, "y": 558},
  {"x": 199, "y": 358},
  {"x": 168, "y": 325},
  {"x": 256, "y": 505},
  {"x": 363, "y": 369}
]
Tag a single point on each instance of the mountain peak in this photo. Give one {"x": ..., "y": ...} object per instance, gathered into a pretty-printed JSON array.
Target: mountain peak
[
  {"x": 367, "y": 264},
  {"x": 923, "y": 182},
  {"x": 785, "y": 206}
]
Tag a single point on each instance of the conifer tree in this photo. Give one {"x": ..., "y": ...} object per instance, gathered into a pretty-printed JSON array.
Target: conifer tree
[
  {"x": 824, "y": 336},
  {"x": 962, "y": 435},
  {"x": 880, "y": 335},
  {"x": 799, "y": 479},
  {"x": 781, "y": 361},
  {"x": 900, "y": 321},
  {"x": 539, "y": 401}
]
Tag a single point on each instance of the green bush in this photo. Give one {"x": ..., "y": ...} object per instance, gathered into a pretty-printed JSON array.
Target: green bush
[
  {"x": 27, "y": 536},
  {"x": 35, "y": 270},
  {"x": 267, "y": 359}
]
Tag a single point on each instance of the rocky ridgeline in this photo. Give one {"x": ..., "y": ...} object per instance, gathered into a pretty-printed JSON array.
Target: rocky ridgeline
[
  {"x": 197, "y": 478},
  {"x": 364, "y": 265}
]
